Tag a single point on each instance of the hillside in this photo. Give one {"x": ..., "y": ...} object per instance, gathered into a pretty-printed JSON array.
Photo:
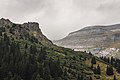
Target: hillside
[
  {"x": 26, "y": 54},
  {"x": 36, "y": 58},
  {"x": 100, "y": 40}
]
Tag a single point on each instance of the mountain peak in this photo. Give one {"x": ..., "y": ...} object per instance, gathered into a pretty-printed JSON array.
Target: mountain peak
[
  {"x": 34, "y": 26},
  {"x": 5, "y": 22},
  {"x": 25, "y": 30},
  {"x": 3, "y": 19}
]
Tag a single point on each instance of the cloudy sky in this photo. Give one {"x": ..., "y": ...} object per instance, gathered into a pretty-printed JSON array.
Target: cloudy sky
[{"x": 59, "y": 17}]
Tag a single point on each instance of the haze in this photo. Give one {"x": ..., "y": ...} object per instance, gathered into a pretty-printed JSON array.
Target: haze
[{"x": 59, "y": 17}]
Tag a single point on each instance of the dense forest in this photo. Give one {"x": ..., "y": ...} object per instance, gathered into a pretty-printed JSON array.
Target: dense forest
[{"x": 28, "y": 60}]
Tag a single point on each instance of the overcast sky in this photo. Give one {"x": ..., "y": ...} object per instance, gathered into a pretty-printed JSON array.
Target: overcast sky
[{"x": 59, "y": 17}]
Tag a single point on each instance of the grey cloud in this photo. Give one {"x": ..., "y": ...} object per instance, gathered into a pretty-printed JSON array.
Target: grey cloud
[{"x": 59, "y": 17}]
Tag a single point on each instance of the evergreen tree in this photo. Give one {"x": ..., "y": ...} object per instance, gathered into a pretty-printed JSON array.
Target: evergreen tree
[
  {"x": 38, "y": 77},
  {"x": 70, "y": 66},
  {"x": 6, "y": 39},
  {"x": 114, "y": 78},
  {"x": 105, "y": 59},
  {"x": 116, "y": 63},
  {"x": 47, "y": 73},
  {"x": 91, "y": 78},
  {"x": 16, "y": 77},
  {"x": 33, "y": 49},
  {"x": 26, "y": 46},
  {"x": 102, "y": 57},
  {"x": 65, "y": 72},
  {"x": 58, "y": 61},
  {"x": 95, "y": 70},
  {"x": 108, "y": 60},
  {"x": 34, "y": 76},
  {"x": 90, "y": 53},
  {"x": 34, "y": 39},
  {"x": 78, "y": 78},
  {"x": 112, "y": 60},
  {"x": 93, "y": 61},
  {"x": 92, "y": 66},
  {"x": 0, "y": 33},
  {"x": 98, "y": 70},
  {"x": 55, "y": 68},
  {"x": 40, "y": 70},
  {"x": 42, "y": 55},
  {"x": 109, "y": 70},
  {"x": 81, "y": 78},
  {"x": 74, "y": 57},
  {"x": 118, "y": 68}
]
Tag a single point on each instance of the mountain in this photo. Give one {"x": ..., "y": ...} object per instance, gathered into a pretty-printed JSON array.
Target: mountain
[
  {"x": 100, "y": 40},
  {"x": 26, "y": 54},
  {"x": 26, "y": 31}
]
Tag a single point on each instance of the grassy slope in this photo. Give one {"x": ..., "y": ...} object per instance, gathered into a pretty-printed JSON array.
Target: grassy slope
[
  {"x": 66, "y": 55},
  {"x": 103, "y": 70}
]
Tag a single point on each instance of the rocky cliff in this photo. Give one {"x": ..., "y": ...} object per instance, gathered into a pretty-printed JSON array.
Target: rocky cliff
[
  {"x": 100, "y": 40},
  {"x": 26, "y": 31}
]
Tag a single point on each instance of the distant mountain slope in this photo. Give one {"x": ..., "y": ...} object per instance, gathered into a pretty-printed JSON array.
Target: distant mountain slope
[{"x": 100, "y": 40}]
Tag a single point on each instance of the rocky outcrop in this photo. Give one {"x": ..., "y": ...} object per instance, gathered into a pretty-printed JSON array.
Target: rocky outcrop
[
  {"x": 24, "y": 31},
  {"x": 95, "y": 39}
]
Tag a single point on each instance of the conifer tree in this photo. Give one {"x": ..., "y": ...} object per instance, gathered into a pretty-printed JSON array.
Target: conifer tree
[
  {"x": 114, "y": 78},
  {"x": 91, "y": 78},
  {"x": 98, "y": 70},
  {"x": 105, "y": 59},
  {"x": 93, "y": 61},
  {"x": 91, "y": 66},
  {"x": 65, "y": 72},
  {"x": 47, "y": 73},
  {"x": 108, "y": 60},
  {"x": 109, "y": 70},
  {"x": 78, "y": 78},
  {"x": 118, "y": 68},
  {"x": 95, "y": 70},
  {"x": 115, "y": 63},
  {"x": 40, "y": 70},
  {"x": 112, "y": 60},
  {"x": 26, "y": 46},
  {"x": 0, "y": 33},
  {"x": 38, "y": 77}
]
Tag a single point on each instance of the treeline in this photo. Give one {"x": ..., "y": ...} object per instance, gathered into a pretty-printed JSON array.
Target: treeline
[{"x": 28, "y": 63}]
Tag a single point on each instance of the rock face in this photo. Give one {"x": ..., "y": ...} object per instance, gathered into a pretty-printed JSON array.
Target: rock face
[
  {"x": 100, "y": 40},
  {"x": 25, "y": 31}
]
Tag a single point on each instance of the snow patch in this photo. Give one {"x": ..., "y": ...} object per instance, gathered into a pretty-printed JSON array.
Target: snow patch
[
  {"x": 115, "y": 30},
  {"x": 108, "y": 51}
]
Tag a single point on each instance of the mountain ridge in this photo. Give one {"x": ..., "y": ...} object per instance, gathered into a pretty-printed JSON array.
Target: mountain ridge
[
  {"x": 92, "y": 39},
  {"x": 24, "y": 30}
]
